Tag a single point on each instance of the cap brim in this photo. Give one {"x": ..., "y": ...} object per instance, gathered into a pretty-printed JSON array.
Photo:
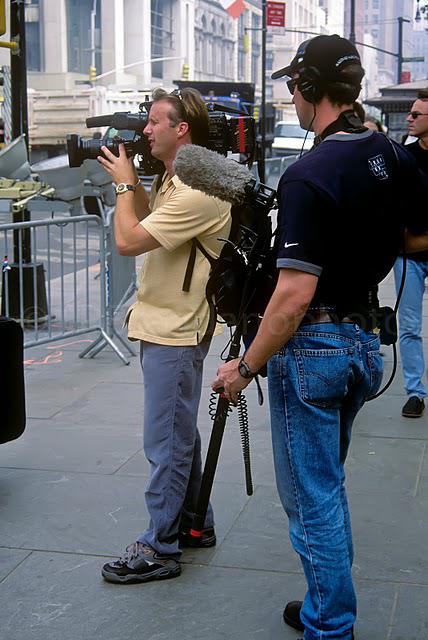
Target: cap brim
[{"x": 286, "y": 71}]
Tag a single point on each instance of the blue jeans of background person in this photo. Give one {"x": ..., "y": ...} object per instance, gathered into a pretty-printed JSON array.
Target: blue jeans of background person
[
  {"x": 317, "y": 384},
  {"x": 410, "y": 324},
  {"x": 172, "y": 444}
]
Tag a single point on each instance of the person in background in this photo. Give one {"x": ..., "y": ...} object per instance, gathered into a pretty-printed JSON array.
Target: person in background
[
  {"x": 410, "y": 309},
  {"x": 373, "y": 123}
]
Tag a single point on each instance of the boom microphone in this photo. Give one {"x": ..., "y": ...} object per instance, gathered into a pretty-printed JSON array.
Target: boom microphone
[{"x": 212, "y": 173}]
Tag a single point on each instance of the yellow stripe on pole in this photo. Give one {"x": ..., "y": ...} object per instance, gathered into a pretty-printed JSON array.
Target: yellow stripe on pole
[{"x": 2, "y": 17}]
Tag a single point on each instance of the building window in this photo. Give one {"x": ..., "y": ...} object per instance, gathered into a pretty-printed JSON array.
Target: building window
[
  {"x": 161, "y": 31},
  {"x": 241, "y": 53},
  {"x": 204, "y": 45},
  {"x": 255, "y": 49},
  {"x": 79, "y": 35},
  {"x": 32, "y": 35},
  {"x": 269, "y": 60},
  {"x": 223, "y": 45}
]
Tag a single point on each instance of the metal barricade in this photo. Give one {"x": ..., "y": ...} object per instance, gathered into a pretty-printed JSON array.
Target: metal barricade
[
  {"x": 63, "y": 298},
  {"x": 120, "y": 271}
]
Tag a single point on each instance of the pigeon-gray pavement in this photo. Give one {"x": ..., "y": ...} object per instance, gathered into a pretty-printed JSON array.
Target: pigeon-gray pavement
[{"x": 72, "y": 496}]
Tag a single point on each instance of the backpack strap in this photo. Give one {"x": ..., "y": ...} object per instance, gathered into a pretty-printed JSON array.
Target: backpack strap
[
  {"x": 191, "y": 263},
  {"x": 212, "y": 321}
]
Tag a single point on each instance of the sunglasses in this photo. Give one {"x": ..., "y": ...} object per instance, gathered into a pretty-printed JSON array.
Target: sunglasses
[
  {"x": 416, "y": 114},
  {"x": 292, "y": 84}
]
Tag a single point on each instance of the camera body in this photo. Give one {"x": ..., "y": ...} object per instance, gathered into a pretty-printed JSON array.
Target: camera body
[{"x": 236, "y": 134}]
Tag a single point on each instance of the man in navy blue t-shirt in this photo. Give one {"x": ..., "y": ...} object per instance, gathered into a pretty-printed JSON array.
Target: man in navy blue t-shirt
[{"x": 340, "y": 228}]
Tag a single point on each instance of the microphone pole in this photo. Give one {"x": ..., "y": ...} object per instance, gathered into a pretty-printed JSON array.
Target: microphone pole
[
  {"x": 213, "y": 453},
  {"x": 220, "y": 418}
]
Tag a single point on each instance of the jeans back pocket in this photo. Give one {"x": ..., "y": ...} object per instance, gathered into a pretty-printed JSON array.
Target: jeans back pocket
[{"x": 323, "y": 375}]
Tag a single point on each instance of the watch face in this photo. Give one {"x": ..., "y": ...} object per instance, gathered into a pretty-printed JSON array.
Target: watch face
[
  {"x": 122, "y": 187},
  {"x": 243, "y": 371}
]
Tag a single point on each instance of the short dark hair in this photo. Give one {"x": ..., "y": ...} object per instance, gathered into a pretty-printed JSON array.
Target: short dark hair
[
  {"x": 345, "y": 91},
  {"x": 376, "y": 122},
  {"x": 359, "y": 110},
  {"x": 187, "y": 106},
  {"x": 423, "y": 94}
]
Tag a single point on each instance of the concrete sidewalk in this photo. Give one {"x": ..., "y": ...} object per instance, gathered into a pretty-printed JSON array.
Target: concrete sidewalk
[{"x": 71, "y": 496}]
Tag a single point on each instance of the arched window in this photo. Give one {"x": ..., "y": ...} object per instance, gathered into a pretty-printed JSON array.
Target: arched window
[
  {"x": 222, "y": 69},
  {"x": 204, "y": 45}
]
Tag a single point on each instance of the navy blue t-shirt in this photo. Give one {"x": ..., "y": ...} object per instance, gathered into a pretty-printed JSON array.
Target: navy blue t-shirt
[
  {"x": 343, "y": 209},
  {"x": 421, "y": 157}
]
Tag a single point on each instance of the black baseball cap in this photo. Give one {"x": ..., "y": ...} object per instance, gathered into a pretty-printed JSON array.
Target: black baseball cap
[{"x": 329, "y": 54}]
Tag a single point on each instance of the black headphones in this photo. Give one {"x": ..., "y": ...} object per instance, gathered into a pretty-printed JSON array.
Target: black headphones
[{"x": 310, "y": 84}]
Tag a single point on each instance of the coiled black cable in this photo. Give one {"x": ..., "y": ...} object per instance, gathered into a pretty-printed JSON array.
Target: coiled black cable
[
  {"x": 212, "y": 405},
  {"x": 244, "y": 430},
  {"x": 245, "y": 442}
]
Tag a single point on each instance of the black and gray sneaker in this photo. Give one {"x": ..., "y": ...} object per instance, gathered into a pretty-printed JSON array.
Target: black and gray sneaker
[
  {"x": 141, "y": 563},
  {"x": 413, "y": 408}
]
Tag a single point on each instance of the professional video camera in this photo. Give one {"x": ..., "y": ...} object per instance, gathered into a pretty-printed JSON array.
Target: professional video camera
[{"x": 226, "y": 133}]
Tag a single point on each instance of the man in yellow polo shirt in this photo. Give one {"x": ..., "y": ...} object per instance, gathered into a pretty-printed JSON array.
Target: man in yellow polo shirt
[{"x": 171, "y": 322}]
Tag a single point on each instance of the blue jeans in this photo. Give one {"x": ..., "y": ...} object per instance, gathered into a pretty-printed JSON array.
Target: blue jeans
[
  {"x": 172, "y": 444},
  {"x": 317, "y": 384},
  {"x": 410, "y": 322}
]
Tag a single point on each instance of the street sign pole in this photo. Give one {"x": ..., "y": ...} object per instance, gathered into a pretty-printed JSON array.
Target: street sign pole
[
  {"x": 352, "y": 25},
  {"x": 262, "y": 151},
  {"x": 401, "y": 20},
  {"x": 18, "y": 66}
]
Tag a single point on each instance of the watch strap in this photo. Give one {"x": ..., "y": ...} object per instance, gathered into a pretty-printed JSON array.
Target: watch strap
[
  {"x": 244, "y": 370},
  {"x": 122, "y": 187}
]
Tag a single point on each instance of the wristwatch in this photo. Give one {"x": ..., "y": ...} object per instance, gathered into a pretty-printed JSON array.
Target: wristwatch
[
  {"x": 122, "y": 187},
  {"x": 244, "y": 370}
]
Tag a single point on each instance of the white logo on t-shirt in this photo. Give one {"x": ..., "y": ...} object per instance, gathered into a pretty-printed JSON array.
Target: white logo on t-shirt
[
  {"x": 291, "y": 244},
  {"x": 377, "y": 166}
]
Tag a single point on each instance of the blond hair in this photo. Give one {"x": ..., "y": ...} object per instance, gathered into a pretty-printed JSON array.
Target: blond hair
[{"x": 188, "y": 106}]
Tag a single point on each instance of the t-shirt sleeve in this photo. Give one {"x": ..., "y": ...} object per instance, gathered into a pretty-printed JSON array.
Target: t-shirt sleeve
[
  {"x": 415, "y": 194},
  {"x": 416, "y": 210},
  {"x": 302, "y": 218},
  {"x": 187, "y": 214}
]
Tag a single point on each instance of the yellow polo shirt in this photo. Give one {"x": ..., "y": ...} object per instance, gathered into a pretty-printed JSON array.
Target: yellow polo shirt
[{"x": 163, "y": 313}]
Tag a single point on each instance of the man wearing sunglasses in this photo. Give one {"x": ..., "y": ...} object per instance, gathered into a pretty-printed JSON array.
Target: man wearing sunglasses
[
  {"x": 410, "y": 309},
  {"x": 340, "y": 228}
]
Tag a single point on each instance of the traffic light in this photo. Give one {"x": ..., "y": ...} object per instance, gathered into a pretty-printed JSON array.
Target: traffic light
[
  {"x": 2, "y": 17},
  {"x": 185, "y": 71},
  {"x": 246, "y": 42},
  {"x": 92, "y": 74}
]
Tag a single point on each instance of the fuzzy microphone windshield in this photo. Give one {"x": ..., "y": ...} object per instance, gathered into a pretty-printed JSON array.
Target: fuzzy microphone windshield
[{"x": 213, "y": 174}]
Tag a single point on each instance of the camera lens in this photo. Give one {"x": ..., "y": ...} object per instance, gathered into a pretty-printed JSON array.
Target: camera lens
[{"x": 80, "y": 149}]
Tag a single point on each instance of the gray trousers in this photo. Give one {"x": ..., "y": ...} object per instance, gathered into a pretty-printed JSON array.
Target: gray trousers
[{"x": 172, "y": 444}]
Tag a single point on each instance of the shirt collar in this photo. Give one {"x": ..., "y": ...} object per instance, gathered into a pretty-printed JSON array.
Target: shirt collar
[{"x": 167, "y": 182}]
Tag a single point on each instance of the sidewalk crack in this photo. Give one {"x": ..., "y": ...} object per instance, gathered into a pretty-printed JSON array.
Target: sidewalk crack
[
  {"x": 16, "y": 566},
  {"x": 420, "y": 469}
]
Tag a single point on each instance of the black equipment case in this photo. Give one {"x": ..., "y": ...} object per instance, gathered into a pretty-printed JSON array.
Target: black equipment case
[{"x": 12, "y": 423}]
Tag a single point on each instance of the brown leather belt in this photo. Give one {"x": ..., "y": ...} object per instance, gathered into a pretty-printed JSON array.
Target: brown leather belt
[{"x": 317, "y": 316}]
